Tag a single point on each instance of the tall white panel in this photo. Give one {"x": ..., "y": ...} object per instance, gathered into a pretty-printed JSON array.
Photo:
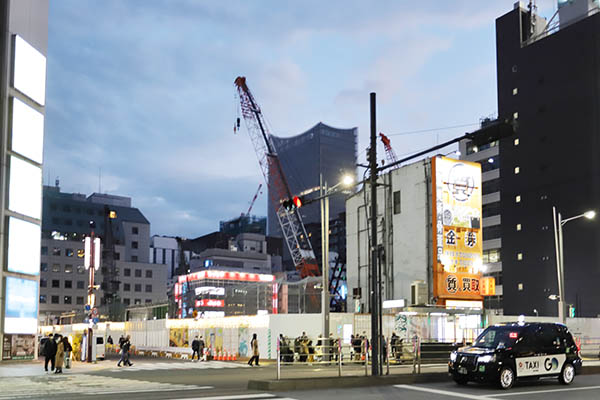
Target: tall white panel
[
  {"x": 23, "y": 237},
  {"x": 27, "y": 131},
  {"x": 25, "y": 188},
  {"x": 29, "y": 71}
]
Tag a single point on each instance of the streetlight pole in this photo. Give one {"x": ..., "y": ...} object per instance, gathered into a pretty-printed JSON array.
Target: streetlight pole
[
  {"x": 560, "y": 267},
  {"x": 375, "y": 284},
  {"x": 325, "y": 257}
]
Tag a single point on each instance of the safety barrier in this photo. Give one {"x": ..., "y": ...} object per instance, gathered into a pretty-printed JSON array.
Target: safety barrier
[{"x": 589, "y": 347}]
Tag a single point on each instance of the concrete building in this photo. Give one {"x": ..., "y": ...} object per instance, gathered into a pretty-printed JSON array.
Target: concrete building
[
  {"x": 166, "y": 250},
  {"x": 545, "y": 77},
  {"x": 429, "y": 236},
  {"x": 126, "y": 276},
  {"x": 23, "y": 51},
  {"x": 320, "y": 150}
]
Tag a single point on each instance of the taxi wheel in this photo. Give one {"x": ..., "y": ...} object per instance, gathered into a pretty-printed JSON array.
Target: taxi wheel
[
  {"x": 461, "y": 380},
  {"x": 567, "y": 375},
  {"x": 507, "y": 378}
]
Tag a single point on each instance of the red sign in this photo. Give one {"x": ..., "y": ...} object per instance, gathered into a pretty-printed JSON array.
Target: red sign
[
  {"x": 210, "y": 303},
  {"x": 226, "y": 275}
]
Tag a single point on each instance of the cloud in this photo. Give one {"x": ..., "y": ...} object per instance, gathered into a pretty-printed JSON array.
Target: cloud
[{"x": 144, "y": 90}]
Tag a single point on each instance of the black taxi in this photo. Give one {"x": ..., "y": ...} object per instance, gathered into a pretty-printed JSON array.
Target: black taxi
[{"x": 507, "y": 352}]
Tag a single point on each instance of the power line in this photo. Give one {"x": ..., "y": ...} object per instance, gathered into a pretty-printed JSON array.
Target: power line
[{"x": 432, "y": 129}]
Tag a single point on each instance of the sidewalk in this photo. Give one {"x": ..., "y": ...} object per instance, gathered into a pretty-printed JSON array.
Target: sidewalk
[{"x": 36, "y": 368}]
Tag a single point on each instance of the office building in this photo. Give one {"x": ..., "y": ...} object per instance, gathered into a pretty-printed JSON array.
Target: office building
[
  {"x": 546, "y": 74},
  {"x": 322, "y": 150},
  {"x": 23, "y": 51},
  {"x": 126, "y": 275}
]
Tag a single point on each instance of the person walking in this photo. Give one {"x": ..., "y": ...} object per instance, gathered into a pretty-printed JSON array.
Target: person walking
[
  {"x": 195, "y": 348},
  {"x": 125, "y": 346},
  {"x": 255, "y": 354},
  {"x": 49, "y": 352},
  {"x": 201, "y": 346},
  {"x": 109, "y": 340},
  {"x": 59, "y": 359},
  {"x": 68, "y": 350}
]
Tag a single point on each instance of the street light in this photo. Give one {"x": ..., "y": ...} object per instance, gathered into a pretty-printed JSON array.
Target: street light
[
  {"x": 325, "y": 192},
  {"x": 560, "y": 268}
]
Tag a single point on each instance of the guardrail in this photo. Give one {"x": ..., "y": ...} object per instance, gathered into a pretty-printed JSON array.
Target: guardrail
[{"x": 588, "y": 346}]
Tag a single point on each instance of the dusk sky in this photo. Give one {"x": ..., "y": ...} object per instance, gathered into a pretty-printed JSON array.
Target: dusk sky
[{"x": 143, "y": 90}]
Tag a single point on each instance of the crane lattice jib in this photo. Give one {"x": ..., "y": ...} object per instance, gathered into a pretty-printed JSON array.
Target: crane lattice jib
[
  {"x": 389, "y": 151},
  {"x": 290, "y": 221}
]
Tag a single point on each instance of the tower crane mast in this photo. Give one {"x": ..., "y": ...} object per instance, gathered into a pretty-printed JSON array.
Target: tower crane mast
[
  {"x": 254, "y": 199},
  {"x": 294, "y": 232}
]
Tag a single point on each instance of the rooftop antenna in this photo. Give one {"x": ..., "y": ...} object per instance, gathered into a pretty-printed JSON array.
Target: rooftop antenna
[{"x": 57, "y": 182}]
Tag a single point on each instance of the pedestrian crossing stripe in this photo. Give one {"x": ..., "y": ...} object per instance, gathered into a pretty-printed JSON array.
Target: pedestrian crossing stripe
[{"x": 152, "y": 366}]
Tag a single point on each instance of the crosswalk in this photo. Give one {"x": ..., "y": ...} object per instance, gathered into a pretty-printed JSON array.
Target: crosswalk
[
  {"x": 41, "y": 387},
  {"x": 154, "y": 366},
  {"x": 257, "y": 396}
]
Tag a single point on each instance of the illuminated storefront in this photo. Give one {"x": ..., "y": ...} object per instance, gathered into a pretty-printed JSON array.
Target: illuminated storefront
[{"x": 213, "y": 293}]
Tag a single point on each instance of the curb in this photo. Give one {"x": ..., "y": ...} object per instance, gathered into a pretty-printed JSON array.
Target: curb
[{"x": 285, "y": 385}]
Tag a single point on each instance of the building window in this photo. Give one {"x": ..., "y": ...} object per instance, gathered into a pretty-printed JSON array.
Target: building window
[
  {"x": 520, "y": 286},
  {"x": 127, "y": 272},
  {"x": 492, "y": 232},
  {"x": 397, "y": 203},
  {"x": 43, "y": 283},
  {"x": 134, "y": 230},
  {"x": 517, "y": 198},
  {"x": 44, "y": 267},
  {"x": 55, "y": 267},
  {"x": 134, "y": 245},
  {"x": 44, "y": 250},
  {"x": 80, "y": 269},
  {"x": 516, "y": 141},
  {"x": 79, "y": 299},
  {"x": 67, "y": 300},
  {"x": 138, "y": 273},
  {"x": 69, "y": 252},
  {"x": 126, "y": 287},
  {"x": 491, "y": 256},
  {"x": 515, "y": 91},
  {"x": 491, "y": 186},
  {"x": 117, "y": 256},
  {"x": 517, "y": 170},
  {"x": 42, "y": 298},
  {"x": 68, "y": 284},
  {"x": 515, "y": 115},
  {"x": 138, "y": 287},
  {"x": 80, "y": 285},
  {"x": 80, "y": 253},
  {"x": 148, "y": 301},
  {"x": 134, "y": 258},
  {"x": 56, "y": 251},
  {"x": 490, "y": 209},
  {"x": 518, "y": 227},
  {"x": 148, "y": 288},
  {"x": 126, "y": 302},
  {"x": 68, "y": 269},
  {"x": 54, "y": 300},
  {"x": 137, "y": 301},
  {"x": 148, "y": 273},
  {"x": 55, "y": 283},
  {"x": 519, "y": 256}
]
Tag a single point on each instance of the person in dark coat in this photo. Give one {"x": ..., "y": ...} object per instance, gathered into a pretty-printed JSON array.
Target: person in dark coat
[
  {"x": 109, "y": 340},
  {"x": 195, "y": 348},
  {"x": 125, "y": 353},
  {"x": 50, "y": 348}
]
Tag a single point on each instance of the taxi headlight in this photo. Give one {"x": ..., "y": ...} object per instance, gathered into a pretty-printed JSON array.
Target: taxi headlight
[
  {"x": 487, "y": 358},
  {"x": 453, "y": 356}
]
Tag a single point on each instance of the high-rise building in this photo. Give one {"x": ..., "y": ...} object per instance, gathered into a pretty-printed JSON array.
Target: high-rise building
[
  {"x": 322, "y": 150},
  {"x": 23, "y": 49},
  {"x": 547, "y": 74}
]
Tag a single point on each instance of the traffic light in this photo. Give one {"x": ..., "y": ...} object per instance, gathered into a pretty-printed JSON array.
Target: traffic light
[
  {"x": 571, "y": 311},
  {"x": 293, "y": 203}
]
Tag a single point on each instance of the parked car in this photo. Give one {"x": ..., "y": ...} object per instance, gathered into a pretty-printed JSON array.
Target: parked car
[{"x": 504, "y": 353}]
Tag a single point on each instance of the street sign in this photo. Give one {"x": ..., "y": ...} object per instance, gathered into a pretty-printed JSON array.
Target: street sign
[
  {"x": 87, "y": 307},
  {"x": 95, "y": 312},
  {"x": 95, "y": 320}
]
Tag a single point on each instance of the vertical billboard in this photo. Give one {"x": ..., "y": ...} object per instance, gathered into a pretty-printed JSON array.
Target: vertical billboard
[
  {"x": 21, "y": 306},
  {"x": 457, "y": 229}
]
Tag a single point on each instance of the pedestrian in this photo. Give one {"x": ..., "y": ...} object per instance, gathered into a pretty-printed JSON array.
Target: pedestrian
[
  {"x": 195, "y": 348},
  {"x": 109, "y": 340},
  {"x": 255, "y": 354},
  {"x": 68, "y": 350},
  {"x": 49, "y": 352},
  {"x": 125, "y": 352},
  {"x": 59, "y": 358},
  {"x": 121, "y": 340}
]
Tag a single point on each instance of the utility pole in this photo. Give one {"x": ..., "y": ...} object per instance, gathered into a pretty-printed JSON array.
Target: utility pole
[{"x": 375, "y": 304}]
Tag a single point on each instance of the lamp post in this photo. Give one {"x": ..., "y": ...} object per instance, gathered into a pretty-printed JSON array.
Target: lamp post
[
  {"x": 324, "y": 193},
  {"x": 558, "y": 244}
]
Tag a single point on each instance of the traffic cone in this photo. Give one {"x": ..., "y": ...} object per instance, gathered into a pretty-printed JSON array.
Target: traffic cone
[
  {"x": 228, "y": 356},
  {"x": 234, "y": 357}
]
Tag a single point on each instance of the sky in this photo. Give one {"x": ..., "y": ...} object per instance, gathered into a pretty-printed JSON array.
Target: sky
[{"x": 141, "y": 102}]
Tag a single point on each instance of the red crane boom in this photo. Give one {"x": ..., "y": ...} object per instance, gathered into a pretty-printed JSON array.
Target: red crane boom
[
  {"x": 389, "y": 152},
  {"x": 294, "y": 232}
]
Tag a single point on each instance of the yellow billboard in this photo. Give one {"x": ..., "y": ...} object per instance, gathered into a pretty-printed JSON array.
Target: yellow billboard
[{"x": 457, "y": 231}]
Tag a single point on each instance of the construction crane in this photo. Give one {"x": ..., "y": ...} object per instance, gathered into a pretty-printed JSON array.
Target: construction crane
[
  {"x": 389, "y": 152},
  {"x": 253, "y": 199},
  {"x": 294, "y": 232}
]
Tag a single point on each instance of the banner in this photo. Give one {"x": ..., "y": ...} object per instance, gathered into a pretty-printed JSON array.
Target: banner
[{"x": 457, "y": 235}]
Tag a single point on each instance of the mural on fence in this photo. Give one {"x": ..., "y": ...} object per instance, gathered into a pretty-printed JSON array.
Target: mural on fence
[
  {"x": 243, "y": 340},
  {"x": 178, "y": 337}
]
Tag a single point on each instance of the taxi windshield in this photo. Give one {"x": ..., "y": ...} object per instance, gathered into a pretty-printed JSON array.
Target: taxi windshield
[{"x": 495, "y": 336}]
